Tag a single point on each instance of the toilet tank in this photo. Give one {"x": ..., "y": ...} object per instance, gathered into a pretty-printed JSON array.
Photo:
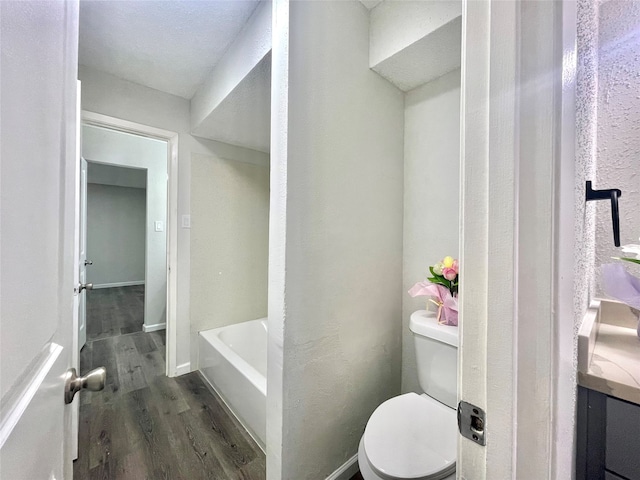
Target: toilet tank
[{"x": 436, "y": 356}]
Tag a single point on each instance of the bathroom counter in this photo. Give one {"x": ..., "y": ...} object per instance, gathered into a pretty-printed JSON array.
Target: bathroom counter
[{"x": 609, "y": 351}]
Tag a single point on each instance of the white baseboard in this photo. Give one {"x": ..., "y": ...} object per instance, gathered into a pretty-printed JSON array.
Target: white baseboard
[
  {"x": 346, "y": 471},
  {"x": 183, "y": 368},
  {"x": 118, "y": 284},
  {"x": 153, "y": 328}
]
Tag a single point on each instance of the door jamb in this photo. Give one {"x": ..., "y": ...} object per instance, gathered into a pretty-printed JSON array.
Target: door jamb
[
  {"x": 126, "y": 126},
  {"x": 517, "y": 213}
]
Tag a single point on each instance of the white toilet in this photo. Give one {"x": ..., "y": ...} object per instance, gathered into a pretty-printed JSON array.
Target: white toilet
[{"x": 415, "y": 436}]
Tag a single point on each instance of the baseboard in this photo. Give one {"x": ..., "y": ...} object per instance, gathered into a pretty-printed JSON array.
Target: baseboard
[
  {"x": 346, "y": 471},
  {"x": 183, "y": 369},
  {"x": 118, "y": 284},
  {"x": 153, "y": 328}
]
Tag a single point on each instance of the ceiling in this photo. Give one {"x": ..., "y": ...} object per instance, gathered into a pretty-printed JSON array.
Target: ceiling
[{"x": 166, "y": 45}]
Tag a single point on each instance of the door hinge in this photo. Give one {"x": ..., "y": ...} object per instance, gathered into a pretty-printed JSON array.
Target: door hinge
[{"x": 471, "y": 422}]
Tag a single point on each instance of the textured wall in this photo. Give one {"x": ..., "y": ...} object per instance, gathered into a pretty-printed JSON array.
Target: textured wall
[
  {"x": 229, "y": 241},
  {"x": 343, "y": 273},
  {"x": 431, "y": 191},
  {"x": 586, "y": 141},
  {"x": 618, "y": 139},
  {"x": 115, "y": 233}
]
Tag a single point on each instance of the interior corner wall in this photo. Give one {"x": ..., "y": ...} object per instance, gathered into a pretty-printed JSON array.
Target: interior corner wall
[
  {"x": 618, "y": 117},
  {"x": 116, "y": 218},
  {"x": 229, "y": 238},
  {"x": 343, "y": 242},
  {"x": 101, "y": 145},
  {"x": 109, "y": 95},
  {"x": 431, "y": 195}
]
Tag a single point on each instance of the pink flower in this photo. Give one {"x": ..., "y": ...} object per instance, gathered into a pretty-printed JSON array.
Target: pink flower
[
  {"x": 449, "y": 273},
  {"x": 455, "y": 266}
]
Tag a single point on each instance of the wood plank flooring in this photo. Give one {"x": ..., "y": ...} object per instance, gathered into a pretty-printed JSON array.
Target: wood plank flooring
[
  {"x": 144, "y": 425},
  {"x": 114, "y": 311}
]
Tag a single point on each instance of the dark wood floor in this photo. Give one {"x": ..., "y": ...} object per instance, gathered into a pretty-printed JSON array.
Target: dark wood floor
[
  {"x": 144, "y": 425},
  {"x": 114, "y": 311}
]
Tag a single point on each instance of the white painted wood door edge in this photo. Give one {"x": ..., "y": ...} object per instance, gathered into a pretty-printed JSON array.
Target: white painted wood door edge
[
  {"x": 99, "y": 120},
  {"x": 517, "y": 226}
]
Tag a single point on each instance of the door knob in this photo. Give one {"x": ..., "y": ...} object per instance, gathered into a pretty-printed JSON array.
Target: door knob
[
  {"x": 88, "y": 262},
  {"x": 93, "y": 381},
  {"x": 85, "y": 286}
]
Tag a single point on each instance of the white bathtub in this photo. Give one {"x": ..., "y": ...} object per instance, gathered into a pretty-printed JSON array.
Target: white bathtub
[{"x": 233, "y": 360}]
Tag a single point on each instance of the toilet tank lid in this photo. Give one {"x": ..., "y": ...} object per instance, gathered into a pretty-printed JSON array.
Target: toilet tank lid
[{"x": 425, "y": 323}]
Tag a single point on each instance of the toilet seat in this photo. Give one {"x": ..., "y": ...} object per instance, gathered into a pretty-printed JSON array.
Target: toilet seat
[{"x": 412, "y": 437}]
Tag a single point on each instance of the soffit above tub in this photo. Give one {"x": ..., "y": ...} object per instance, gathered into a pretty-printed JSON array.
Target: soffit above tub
[
  {"x": 166, "y": 45},
  {"x": 243, "y": 118},
  {"x": 413, "y": 42}
]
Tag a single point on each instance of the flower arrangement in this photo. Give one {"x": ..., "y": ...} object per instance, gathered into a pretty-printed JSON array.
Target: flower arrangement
[
  {"x": 442, "y": 288},
  {"x": 620, "y": 284}
]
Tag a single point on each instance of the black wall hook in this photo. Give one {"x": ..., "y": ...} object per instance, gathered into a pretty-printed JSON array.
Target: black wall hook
[{"x": 612, "y": 194}]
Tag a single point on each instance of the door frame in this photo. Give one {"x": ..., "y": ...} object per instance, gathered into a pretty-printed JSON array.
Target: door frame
[
  {"x": 518, "y": 197},
  {"x": 126, "y": 126}
]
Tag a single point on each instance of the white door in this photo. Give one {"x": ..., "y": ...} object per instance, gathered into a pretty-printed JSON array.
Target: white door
[
  {"x": 83, "y": 262},
  {"x": 38, "y": 171}
]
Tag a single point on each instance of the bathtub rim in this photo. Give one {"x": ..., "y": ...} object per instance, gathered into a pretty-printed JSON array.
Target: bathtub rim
[{"x": 246, "y": 369}]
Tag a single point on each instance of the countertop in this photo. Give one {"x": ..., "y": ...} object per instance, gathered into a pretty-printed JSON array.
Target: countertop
[{"x": 609, "y": 351}]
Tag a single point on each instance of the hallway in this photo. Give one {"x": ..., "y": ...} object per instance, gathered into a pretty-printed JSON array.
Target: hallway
[{"x": 144, "y": 425}]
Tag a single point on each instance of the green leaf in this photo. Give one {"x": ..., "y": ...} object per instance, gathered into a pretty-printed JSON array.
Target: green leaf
[
  {"x": 632, "y": 260},
  {"x": 440, "y": 281},
  {"x": 432, "y": 272}
]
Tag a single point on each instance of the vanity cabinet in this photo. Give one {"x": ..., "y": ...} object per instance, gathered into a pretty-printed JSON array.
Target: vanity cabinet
[{"x": 608, "y": 437}]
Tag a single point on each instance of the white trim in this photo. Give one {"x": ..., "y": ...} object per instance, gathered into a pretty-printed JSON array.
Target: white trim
[
  {"x": 117, "y": 284},
  {"x": 96, "y": 119},
  {"x": 183, "y": 369},
  {"x": 153, "y": 328},
  {"x": 13, "y": 408},
  {"x": 99, "y": 120},
  {"x": 346, "y": 471},
  {"x": 515, "y": 196},
  {"x": 563, "y": 357}
]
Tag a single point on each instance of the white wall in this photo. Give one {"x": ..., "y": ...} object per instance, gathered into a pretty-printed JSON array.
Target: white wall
[
  {"x": 229, "y": 240},
  {"x": 431, "y": 191},
  {"x": 116, "y": 218},
  {"x": 108, "y": 146},
  {"x": 618, "y": 117},
  {"x": 121, "y": 177},
  {"x": 336, "y": 254}
]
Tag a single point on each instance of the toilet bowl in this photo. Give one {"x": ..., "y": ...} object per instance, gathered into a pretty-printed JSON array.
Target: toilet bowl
[{"x": 414, "y": 436}]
